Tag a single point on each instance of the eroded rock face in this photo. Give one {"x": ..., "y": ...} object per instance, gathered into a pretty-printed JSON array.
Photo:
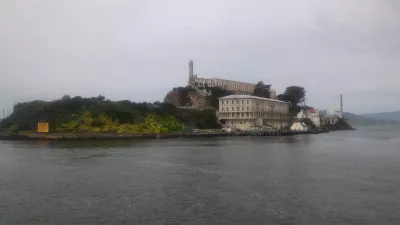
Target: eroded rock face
[{"x": 183, "y": 97}]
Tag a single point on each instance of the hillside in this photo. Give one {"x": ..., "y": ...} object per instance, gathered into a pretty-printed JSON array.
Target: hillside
[
  {"x": 388, "y": 116},
  {"x": 186, "y": 97},
  {"x": 362, "y": 120},
  {"x": 97, "y": 114}
]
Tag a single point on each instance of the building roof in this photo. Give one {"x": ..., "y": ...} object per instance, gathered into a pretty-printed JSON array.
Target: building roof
[
  {"x": 311, "y": 110},
  {"x": 251, "y": 97},
  {"x": 328, "y": 116},
  {"x": 216, "y": 78}
]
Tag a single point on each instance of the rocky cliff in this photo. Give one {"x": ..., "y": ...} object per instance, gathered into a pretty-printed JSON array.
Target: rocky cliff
[{"x": 186, "y": 97}]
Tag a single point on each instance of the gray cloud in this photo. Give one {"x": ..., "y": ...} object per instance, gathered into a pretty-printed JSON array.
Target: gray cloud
[{"x": 138, "y": 50}]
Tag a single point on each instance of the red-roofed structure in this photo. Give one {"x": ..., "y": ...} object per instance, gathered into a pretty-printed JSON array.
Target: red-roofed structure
[{"x": 311, "y": 111}]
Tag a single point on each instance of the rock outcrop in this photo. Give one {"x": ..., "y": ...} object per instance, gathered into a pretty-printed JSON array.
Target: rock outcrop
[{"x": 186, "y": 97}]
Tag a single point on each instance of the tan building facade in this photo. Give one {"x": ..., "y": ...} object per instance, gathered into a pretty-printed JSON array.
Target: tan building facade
[
  {"x": 244, "y": 111},
  {"x": 235, "y": 86}
]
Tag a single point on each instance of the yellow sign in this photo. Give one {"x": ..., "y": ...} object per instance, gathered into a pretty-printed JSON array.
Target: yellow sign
[{"x": 43, "y": 127}]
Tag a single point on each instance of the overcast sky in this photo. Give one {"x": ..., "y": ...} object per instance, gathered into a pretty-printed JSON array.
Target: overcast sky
[{"x": 139, "y": 50}]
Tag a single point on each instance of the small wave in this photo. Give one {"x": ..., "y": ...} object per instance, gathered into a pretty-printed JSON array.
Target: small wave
[{"x": 88, "y": 156}]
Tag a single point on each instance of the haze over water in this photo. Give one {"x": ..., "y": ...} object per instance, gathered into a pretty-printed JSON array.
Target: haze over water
[{"x": 347, "y": 177}]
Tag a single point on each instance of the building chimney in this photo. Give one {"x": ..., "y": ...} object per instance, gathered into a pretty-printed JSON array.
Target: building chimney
[
  {"x": 341, "y": 105},
  {"x": 191, "y": 68}
]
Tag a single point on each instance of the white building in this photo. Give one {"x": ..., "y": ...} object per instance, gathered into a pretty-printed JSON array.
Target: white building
[
  {"x": 243, "y": 111},
  {"x": 299, "y": 127},
  {"x": 330, "y": 119},
  {"x": 235, "y": 86},
  {"x": 335, "y": 112},
  {"x": 312, "y": 114}
]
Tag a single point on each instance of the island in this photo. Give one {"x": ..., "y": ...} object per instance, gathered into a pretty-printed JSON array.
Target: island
[{"x": 194, "y": 110}]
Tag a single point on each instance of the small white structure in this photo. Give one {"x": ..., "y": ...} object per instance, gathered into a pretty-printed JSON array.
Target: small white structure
[
  {"x": 299, "y": 127},
  {"x": 330, "y": 119},
  {"x": 227, "y": 129},
  {"x": 335, "y": 112},
  {"x": 312, "y": 114}
]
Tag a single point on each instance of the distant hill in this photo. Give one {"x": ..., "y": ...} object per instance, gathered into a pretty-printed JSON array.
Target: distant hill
[
  {"x": 364, "y": 120},
  {"x": 388, "y": 116}
]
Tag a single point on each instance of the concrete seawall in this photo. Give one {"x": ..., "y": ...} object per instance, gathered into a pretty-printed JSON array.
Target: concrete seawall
[{"x": 115, "y": 136}]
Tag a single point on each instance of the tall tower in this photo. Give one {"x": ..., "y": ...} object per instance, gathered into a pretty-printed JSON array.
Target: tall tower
[
  {"x": 191, "y": 68},
  {"x": 191, "y": 76},
  {"x": 341, "y": 106}
]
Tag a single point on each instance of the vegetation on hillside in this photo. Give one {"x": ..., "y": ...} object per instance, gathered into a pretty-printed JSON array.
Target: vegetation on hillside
[
  {"x": 309, "y": 123},
  {"x": 86, "y": 122},
  {"x": 294, "y": 95},
  {"x": 215, "y": 94},
  {"x": 341, "y": 124},
  {"x": 97, "y": 114},
  {"x": 262, "y": 90}
]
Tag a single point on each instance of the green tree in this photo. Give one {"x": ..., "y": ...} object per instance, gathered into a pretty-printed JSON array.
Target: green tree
[
  {"x": 309, "y": 123},
  {"x": 150, "y": 125},
  {"x": 215, "y": 94},
  {"x": 207, "y": 119},
  {"x": 262, "y": 90},
  {"x": 294, "y": 95},
  {"x": 13, "y": 129}
]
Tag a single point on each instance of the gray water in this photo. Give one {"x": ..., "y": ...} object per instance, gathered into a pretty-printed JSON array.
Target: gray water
[{"x": 349, "y": 177}]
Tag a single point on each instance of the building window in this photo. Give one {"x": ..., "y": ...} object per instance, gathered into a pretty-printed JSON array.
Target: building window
[
  {"x": 247, "y": 102},
  {"x": 237, "y": 101},
  {"x": 237, "y": 108},
  {"x": 247, "y": 108},
  {"x": 242, "y": 101},
  {"x": 232, "y": 109},
  {"x": 222, "y": 102},
  {"x": 222, "y": 108},
  {"x": 242, "y": 108}
]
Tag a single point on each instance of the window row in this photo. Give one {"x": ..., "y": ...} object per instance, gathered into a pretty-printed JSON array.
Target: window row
[
  {"x": 233, "y": 108},
  {"x": 237, "y": 101},
  {"x": 279, "y": 110},
  {"x": 252, "y": 115}
]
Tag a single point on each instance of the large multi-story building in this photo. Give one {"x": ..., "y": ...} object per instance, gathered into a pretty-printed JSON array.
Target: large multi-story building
[
  {"x": 244, "y": 111},
  {"x": 234, "y": 86}
]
